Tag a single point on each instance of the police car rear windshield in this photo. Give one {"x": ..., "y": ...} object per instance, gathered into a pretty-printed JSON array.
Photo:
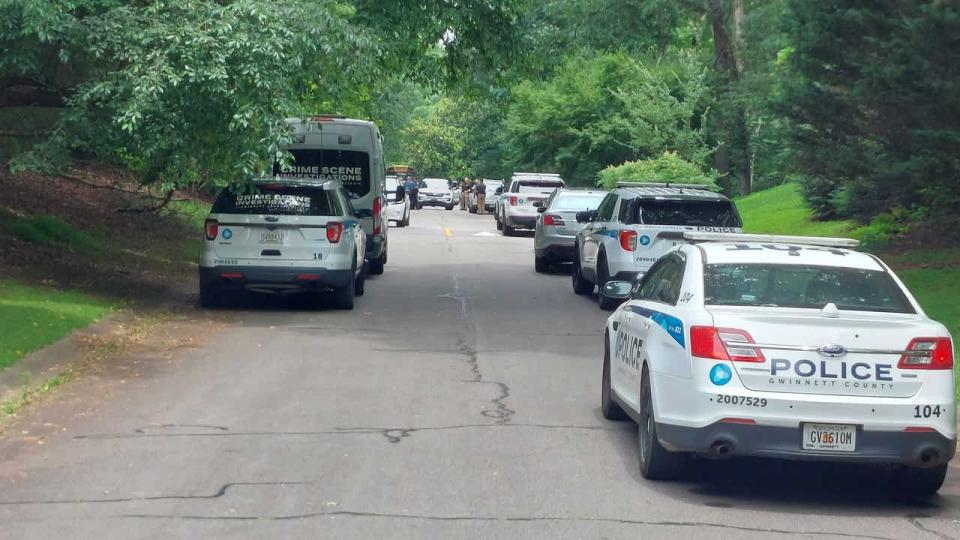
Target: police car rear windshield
[
  {"x": 279, "y": 200},
  {"x": 798, "y": 286},
  {"x": 577, "y": 202},
  {"x": 537, "y": 187},
  {"x": 703, "y": 213}
]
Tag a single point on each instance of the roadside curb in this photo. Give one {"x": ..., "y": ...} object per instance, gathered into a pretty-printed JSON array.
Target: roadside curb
[{"x": 56, "y": 358}]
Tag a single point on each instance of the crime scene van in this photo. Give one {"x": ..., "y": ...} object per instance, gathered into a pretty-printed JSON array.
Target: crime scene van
[{"x": 349, "y": 151}]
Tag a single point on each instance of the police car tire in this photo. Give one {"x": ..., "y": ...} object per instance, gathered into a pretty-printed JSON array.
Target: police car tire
[
  {"x": 609, "y": 407},
  {"x": 603, "y": 276},
  {"x": 375, "y": 267},
  {"x": 540, "y": 264},
  {"x": 580, "y": 284},
  {"x": 507, "y": 230},
  {"x": 656, "y": 463},
  {"x": 344, "y": 296},
  {"x": 210, "y": 296},
  {"x": 919, "y": 482},
  {"x": 499, "y": 223},
  {"x": 473, "y": 209},
  {"x": 450, "y": 207},
  {"x": 360, "y": 282}
]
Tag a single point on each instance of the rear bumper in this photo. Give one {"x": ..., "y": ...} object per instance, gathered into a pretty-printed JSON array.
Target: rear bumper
[
  {"x": 521, "y": 222},
  {"x": 560, "y": 252},
  {"x": 436, "y": 201},
  {"x": 278, "y": 280},
  {"x": 916, "y": 449}
]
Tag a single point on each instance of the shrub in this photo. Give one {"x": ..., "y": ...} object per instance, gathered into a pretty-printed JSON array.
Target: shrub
[{"x": 669, "y": 167}]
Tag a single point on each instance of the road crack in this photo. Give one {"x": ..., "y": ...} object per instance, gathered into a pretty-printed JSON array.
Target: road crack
[
  {"x": 514, "y": 519},
  {"x": 215, "y": 495}
]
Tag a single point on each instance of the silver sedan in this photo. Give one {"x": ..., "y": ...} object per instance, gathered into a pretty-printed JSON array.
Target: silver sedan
[{"x": 557, "y": 225}]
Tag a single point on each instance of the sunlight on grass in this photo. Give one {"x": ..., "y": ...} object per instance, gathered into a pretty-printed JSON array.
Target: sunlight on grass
[
  {"x": 781, "y": 210},
  {"x": 33, "y": 317}
]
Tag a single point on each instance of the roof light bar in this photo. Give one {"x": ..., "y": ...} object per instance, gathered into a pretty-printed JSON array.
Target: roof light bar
[
  {"x": 771, "y": 239},
  {"x": 665, "y": 185}
]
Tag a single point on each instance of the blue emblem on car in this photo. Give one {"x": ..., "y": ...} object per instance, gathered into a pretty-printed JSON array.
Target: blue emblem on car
[
  {"x": 227, "y": 234},
  {"x": 720, "y": 374},
  {"x": 644, "y": 240}
]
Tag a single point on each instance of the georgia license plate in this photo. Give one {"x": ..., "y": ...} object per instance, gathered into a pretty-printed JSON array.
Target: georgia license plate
[
  {"x": 271, "y": 238},
  {"x": 830, "y": 437}
]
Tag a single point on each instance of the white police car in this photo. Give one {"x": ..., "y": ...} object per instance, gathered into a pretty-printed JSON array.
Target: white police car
[{"x": 784, "y": 347}]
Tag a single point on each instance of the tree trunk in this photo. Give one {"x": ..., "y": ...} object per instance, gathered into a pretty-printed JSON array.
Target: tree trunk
[{"x": 728, "y": 69}]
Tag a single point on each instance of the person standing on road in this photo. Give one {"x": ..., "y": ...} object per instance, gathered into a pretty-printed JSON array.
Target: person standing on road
[
  {"x": 410, "y": 184},
  {"x": 464, "y": 190},
  {"x": 481, "y": 191}
]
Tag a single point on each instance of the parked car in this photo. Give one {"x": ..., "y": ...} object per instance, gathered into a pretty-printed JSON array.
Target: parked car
[
  {"x": 437, "y": 192},
  {"x": 489, "y": 198},
  {"x": 331, "y": 147},
  {"x": 636, "y": 223},
  {"x": 516, "y": 205},
  {"x": 786, "y": 347},
  {"x": 557, "y": 224},
  {"x": 398, "y": 202},
  {"x": 284, "y": 236}
]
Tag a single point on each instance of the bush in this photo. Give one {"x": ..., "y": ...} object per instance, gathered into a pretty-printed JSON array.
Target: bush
[{"x": 669, "y": 167}]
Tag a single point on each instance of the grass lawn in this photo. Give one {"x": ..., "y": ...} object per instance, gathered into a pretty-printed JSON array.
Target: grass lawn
[{"x": 33, "y": 317}]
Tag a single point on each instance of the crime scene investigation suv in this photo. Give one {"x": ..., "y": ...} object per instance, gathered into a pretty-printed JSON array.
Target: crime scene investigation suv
[
  {"x": 284, "y": 236},
  {"x": 637, "y": 223},
  {"x": 785, "y": 347},
  {"x": 349, "y": 151}
]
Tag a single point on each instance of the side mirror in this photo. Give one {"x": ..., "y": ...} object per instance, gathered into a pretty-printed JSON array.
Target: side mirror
[
  {"x": 586, "y": 216},
  {"x": 499, "y": 190},
  {"x": 538, "y": 204},
  {"x": 541, "y": 209},
  {"x": 619, "y": 290}
]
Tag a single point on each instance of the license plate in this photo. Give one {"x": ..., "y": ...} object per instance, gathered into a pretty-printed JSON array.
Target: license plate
[
  {"x": 271, "y": 238},
  {"x": 830, "y": 437}
]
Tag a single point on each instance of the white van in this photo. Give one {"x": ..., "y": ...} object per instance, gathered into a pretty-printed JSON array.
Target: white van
[{"x": 348, "y": 151}]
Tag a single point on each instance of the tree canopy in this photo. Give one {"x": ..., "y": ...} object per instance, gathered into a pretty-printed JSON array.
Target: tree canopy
[{"x": 855, "y": 100}]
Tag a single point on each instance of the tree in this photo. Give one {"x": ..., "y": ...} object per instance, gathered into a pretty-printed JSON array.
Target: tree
[
  {"x": 875, "y": 105},
  {"x": 668, "y": 167},
  {"x": 600, "y": 110}
]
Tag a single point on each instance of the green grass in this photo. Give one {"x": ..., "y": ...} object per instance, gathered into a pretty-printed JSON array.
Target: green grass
[
  {"x": 191, "y": 212},
  {"x": 52, "y": 231},
  {"x": 938, "y": 291},
  {"x": 33, "y": 317},
  {"x": 781, "y": 210}
]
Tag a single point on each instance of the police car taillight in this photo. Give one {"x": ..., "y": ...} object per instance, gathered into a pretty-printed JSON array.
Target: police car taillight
[
  {"x": 724, "y": 344},
  {"x": 334, "y": 231},
  {"x": 628, "y": 240},
  {"x": 513, "y": 200},
  {"x": 211, "y": 228},
  {"x": 927, "y": 353},
  {"x": 377, "y": 219},
  {"x": 549, "y": 219}
]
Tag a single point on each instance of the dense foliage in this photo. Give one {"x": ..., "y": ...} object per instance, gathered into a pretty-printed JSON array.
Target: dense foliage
[{"x": 857, "y": 101}]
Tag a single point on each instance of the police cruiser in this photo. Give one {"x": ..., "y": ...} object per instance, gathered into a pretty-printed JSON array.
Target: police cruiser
[
  {"x": 780, "y": 346},
  {"x": 283, "y": 236},
  {"x": 637, "y": 223}
]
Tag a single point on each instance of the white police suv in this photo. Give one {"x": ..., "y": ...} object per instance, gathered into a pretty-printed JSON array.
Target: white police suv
[
  {"x": 784, "y": 347},
  {"x": 283, "y": 236},
  {"x": 637, "y": 223}
]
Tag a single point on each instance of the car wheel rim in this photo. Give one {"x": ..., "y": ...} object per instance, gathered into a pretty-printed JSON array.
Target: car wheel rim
[{"x": 646, "y": 427}]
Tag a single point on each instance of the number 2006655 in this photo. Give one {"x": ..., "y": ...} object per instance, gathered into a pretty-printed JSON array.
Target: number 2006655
[{"x": 741, "y": 400}]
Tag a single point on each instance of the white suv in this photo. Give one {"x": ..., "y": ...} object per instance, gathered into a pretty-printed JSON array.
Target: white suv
[
  {"x": 516, "y": 206},
  {"x": 283, "y": 236},
  {"x": 637, "y": 223},
  {"x": 785, "y": 347}
]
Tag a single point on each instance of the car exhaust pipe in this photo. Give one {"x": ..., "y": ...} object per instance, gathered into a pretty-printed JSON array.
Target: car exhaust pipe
[
  {"x": 721, "y": 449},
  {"x": 929, "y": 457}
]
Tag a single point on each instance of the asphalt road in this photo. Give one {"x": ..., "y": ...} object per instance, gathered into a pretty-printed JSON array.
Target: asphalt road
[{"x": 458, "y": 400}]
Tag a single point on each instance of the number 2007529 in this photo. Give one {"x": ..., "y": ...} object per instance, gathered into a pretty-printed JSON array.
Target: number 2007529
[{"x": 741, "y": 400}]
